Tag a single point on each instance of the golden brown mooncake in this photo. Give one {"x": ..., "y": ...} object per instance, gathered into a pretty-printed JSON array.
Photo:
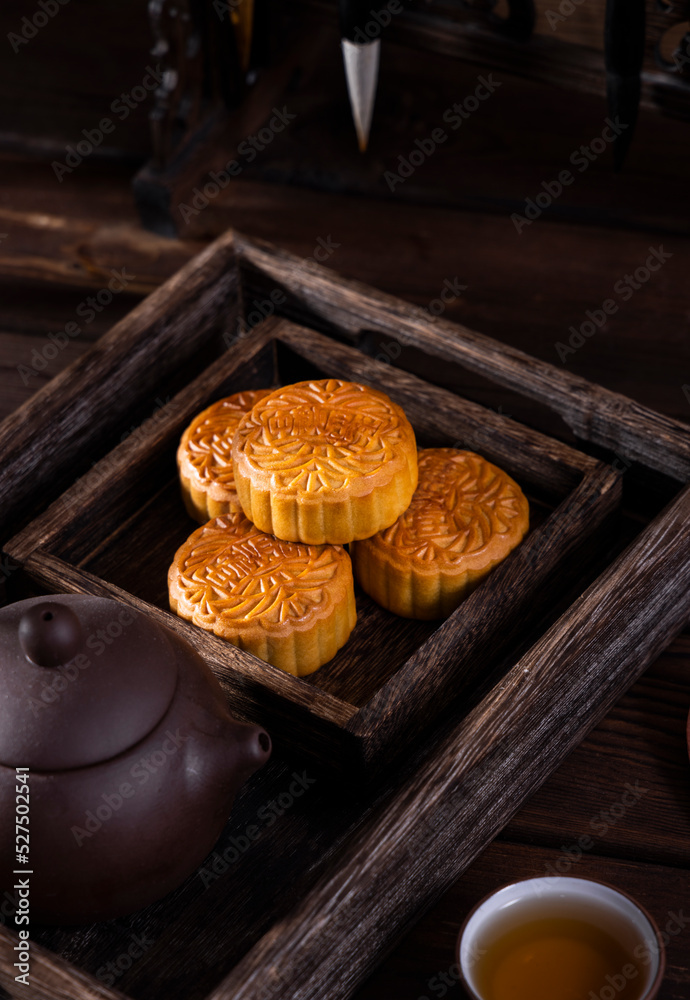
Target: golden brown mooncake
[
  {"x": 325, "y": 461},
  {"x": 288, "y": 603},
  {"x": 465, "y": 517},
  {"x": 204, "y": 457}
]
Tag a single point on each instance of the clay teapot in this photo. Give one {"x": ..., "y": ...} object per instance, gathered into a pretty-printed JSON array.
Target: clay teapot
[{"x": 132, "y": 757}]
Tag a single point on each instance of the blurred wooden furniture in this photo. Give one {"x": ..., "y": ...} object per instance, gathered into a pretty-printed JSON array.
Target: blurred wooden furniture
[{"x": 550, "y": 102}]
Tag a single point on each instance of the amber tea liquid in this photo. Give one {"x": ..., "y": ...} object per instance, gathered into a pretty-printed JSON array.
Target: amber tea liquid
[{"x": 558, "y": 958}]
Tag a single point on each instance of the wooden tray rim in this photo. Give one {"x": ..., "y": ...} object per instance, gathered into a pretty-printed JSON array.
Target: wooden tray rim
[{"x": 373, "y": 724}]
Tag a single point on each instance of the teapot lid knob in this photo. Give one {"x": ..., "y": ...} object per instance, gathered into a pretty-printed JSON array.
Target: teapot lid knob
[
  {"x": 50, "y": 634},
  {"x": 82, "y": 679}
]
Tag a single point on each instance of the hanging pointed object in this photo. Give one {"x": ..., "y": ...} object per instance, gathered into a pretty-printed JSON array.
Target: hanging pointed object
[
  {"x": 361, "y": 58},
  {"x": 624, "y": 41},
  {"x": 243, "y": 21}
]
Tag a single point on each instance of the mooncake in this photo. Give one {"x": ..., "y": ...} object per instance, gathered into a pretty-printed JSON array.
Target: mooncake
[
  {"x": 204, "y": 457},
  {"x": 290, "y": 604},
  {"x": 324, "y": 461},
  {"x": 465, "y": 517}
]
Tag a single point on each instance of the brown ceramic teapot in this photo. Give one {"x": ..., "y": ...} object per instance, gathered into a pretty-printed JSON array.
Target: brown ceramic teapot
[{"x": 133, "y": 757}]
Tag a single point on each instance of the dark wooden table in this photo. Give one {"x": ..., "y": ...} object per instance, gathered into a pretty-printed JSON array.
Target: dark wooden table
[{"x": 59, "y": 245}]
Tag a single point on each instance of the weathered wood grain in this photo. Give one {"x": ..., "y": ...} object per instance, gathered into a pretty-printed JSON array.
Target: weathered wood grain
[
  {"x": 17, "y": 350},
  {"x": 69, "y": 252},
  {"x": 359, "y": 703},
  {"x": 131, "y": 360},
  {"x": 71, "y": 234},
  {"x": 643, "y": 743},
  {"x": 593, "y": 413},
  {"x": 460, "y": 653},
  {"x": 51, "y": 977},
  {"x": 541, "y": 460},
  {"x": 419, "y": 841},
  {"x": 106, "y": 490}
]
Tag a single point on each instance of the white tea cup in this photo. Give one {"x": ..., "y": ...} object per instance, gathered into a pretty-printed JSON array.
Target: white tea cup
[{"x": 595, "y": 903}]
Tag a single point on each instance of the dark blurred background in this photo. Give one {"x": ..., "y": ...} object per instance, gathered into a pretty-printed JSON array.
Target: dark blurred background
[{"x": 130, "y": 200}]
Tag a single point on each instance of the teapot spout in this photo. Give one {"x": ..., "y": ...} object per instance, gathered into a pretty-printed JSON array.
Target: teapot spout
[{"x": 250, "y": 748}]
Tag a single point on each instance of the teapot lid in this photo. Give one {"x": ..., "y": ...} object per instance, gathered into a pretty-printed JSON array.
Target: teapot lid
[{"x": 82, "y": 679}]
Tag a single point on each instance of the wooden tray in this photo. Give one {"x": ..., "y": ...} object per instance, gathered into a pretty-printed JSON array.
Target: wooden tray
[
  {"x": 116, "y": 530},
  {"x": 341, "y": 869}
]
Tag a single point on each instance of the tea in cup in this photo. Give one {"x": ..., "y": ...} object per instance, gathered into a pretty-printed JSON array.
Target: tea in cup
[{"x": 560, "y": 938}]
